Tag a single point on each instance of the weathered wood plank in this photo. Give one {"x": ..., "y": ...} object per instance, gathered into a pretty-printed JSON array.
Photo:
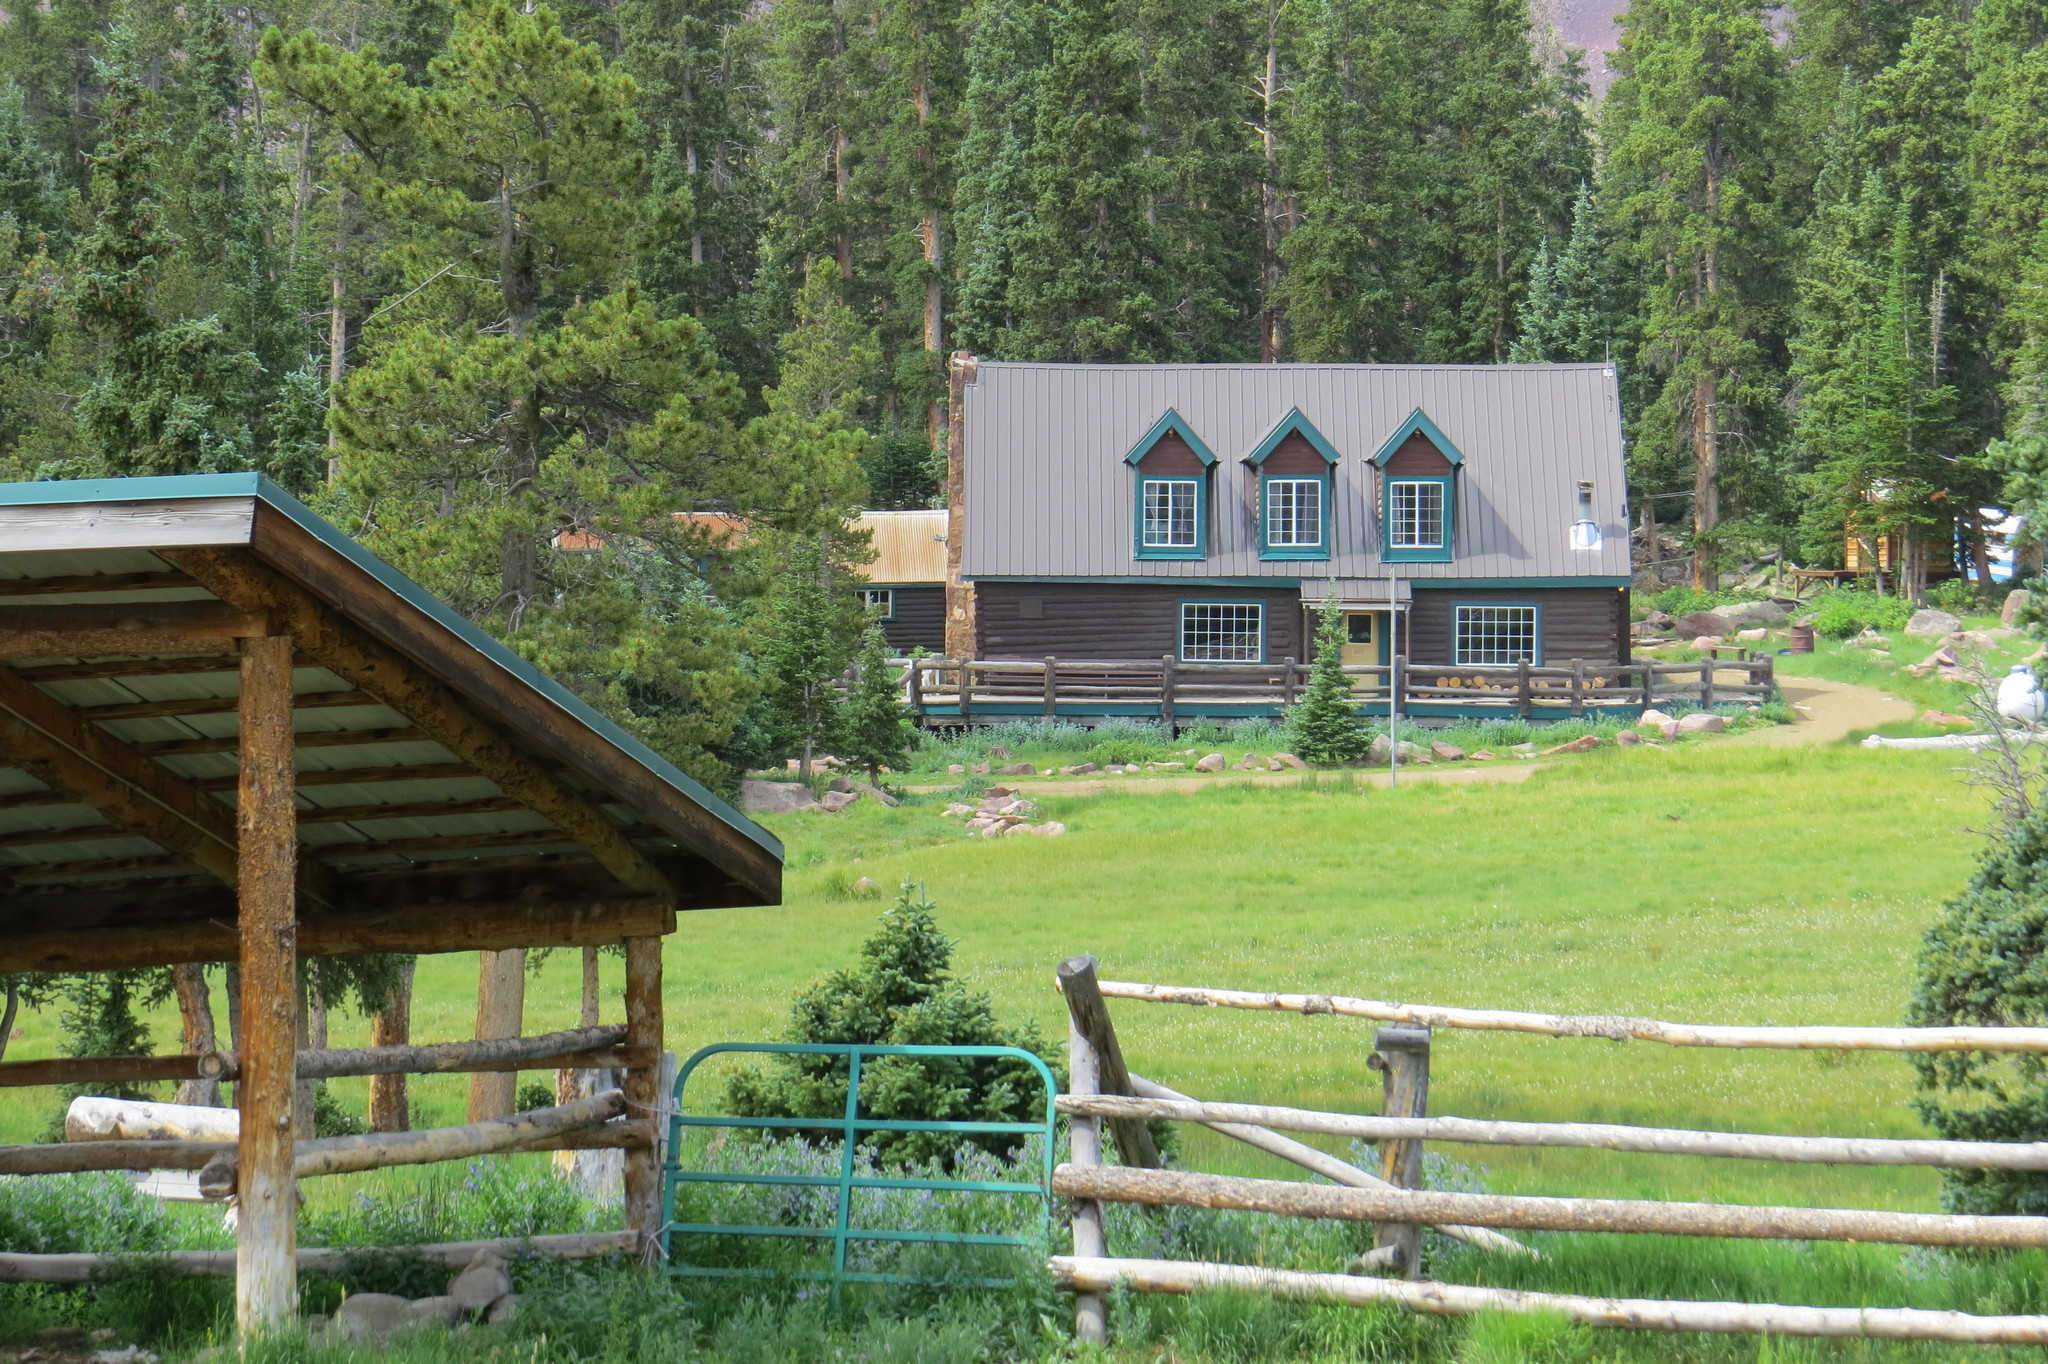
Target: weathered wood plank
[
  {"x": 129, "y": 525},
  {"x": 92, "y": 582},
  {"x": 82, "y": 631},
  {"x": 1076, "y": 978}
]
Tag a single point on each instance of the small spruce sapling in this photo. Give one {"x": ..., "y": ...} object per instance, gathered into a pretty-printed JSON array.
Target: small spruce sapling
[
  {"x": 803, "y": 656},
  {"x": 1325, "y": 726},
  {"x": 874, "y": 725}
]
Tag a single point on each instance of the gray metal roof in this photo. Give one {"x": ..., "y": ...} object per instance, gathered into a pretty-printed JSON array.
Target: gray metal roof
[{"x": 1050, "y": 496}]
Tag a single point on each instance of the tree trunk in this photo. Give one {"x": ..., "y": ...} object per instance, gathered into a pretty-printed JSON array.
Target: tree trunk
[
  {"x": 1269, "y": 193},
  {"x": 1706, "y": 415},
  {"x": 934, "y": 252},
  {"x": 391, "y": 1026},
  {"x": 312, "y": 1035},
  {"x": 500, "y": 1005},
  {"x": 195, "y": 1015},
  {"x": 7, "y": 1014},
  {"x": 519, "y": 287}
]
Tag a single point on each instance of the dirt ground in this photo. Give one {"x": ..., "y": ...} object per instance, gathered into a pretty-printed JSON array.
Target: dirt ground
[{"x": 1837, "y": 708}]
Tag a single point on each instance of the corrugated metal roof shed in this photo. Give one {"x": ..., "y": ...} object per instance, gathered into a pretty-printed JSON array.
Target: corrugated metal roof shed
[
  {"x": 910, "y": 546},
  {"x": 1049, "y": 494}
]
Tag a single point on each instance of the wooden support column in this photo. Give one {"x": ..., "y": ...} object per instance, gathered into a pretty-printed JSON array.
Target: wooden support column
[
  {"x": 391, "y": 1026},
  {"x": 500, "y": 1012},
  {"x": 266, "y": 827},
  {"x": 1166, "y": 669},
  {"x": 195, "y": 1015},
  {"x": 1052, "y": 687},
  {"x": 643, "y": 1086},
  {"x": 1401, "y": 1055},
  {"x": 1091, "y": 1310},
  {"x": 1090, "y": 1016}
]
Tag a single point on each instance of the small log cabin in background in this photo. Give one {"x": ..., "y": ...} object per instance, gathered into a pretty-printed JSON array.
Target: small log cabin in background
[
  {"x": 906, "y": 583},
  {"x": 228, "y": 733},
  {"x": 1202, "y": 512}
]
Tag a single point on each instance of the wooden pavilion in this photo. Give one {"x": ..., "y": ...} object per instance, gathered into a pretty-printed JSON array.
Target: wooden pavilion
[{"x": 229, "y": 733}]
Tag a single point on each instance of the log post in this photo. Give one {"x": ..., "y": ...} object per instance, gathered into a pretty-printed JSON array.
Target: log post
[
  {"x": 914, "y": 682},
  {"x": 966, "y": 688},
  {"x": 391, "y": 1026},
  {"x": 1707, "y": 681},
  {"x": 643, "y": 1085},
  {"x": 1767, "y": 675},
  {"x": 1578, "y": 687},
  {"x": 1401, "y": 1055},
  {"x": 500, "y": 1007},
  {"x": 1287, "y": 681},
  {"x": 1052, "y": 691},
  {"x": 1087, "y": 1013},
  {"x": 1522, "y": 697},
  {"x": 195, "y": 1015},
  {"x": 1167, "y": 664},
  {"x": 266, "y": 829},
  {"x": 1649, "y": 684},
  {"x": 1397, "y": 683},
  {"x": 1091, "y": 1312}
]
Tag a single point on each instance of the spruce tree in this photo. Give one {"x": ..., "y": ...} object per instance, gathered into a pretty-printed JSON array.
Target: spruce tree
[
  {"x": 805, "y": 650},
  {"x": 1325, "y": 726},
  {"x": 874, "y": 724},
  {"x": 1563, "y": 314},
  {"x": 994, "y": 209}
]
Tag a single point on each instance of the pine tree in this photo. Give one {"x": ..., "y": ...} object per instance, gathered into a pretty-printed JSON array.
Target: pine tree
[
  {"x": 1692, "y": 131},
  {"x": 993, "y": 209},
  {"x": 1563, "y": 315},
  {"x": 874, "y": 723},
  {"x": 804, "y": 653},
  {"x": 1325, "y": 726}
]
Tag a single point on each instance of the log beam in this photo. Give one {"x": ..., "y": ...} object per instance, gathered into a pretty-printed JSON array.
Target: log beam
[
  {"x": 366, "y": 663},
  {"x": 216, "y": 705},
  {"x": 324, "y": 738},
  {"x": 92, "y": 582},
  {"x": 576, "y": 1046},
  {"x": 129, "y": 628},
  {"x": 643, "y": 1086},
  {"x": 356, "y": 776},
  {"x": 86, "y": 1268}
]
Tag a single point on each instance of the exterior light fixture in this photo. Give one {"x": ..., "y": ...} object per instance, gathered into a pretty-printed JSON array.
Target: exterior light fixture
[{"x": 1585, "y": 530}]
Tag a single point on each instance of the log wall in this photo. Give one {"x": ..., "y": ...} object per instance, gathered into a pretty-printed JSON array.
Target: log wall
[
  {"x": 1116, "y": 620},
  {"x": 920, "y": 620}
]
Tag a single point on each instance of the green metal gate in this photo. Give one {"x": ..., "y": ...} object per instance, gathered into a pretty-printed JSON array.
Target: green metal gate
[{"x": 849, "y": 1128}]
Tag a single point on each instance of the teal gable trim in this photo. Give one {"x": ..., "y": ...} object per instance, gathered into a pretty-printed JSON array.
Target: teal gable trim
[
  {"x": 1136, "y": 580},
  {"x": 1174, "y": 422},
  {"x": 1418, "y": 420},
  {"x": 1293, "y": 424},
  {"x": 186, "y": 486}
]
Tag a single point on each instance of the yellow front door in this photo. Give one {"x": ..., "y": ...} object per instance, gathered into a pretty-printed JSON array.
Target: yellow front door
[{"x": 1365, "y": 637}]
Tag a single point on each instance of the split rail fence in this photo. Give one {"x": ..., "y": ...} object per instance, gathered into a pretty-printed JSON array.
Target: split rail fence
[
  {"x": 1105, "y": 1091},
  {"x": 600, "y": 1121},
  {"x": 951, "y": 691}
]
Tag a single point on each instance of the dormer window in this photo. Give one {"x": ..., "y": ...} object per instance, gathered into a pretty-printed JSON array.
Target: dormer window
[
  {"x": 1418, "y": 473},
  {"x": 1296, "y": 471},
  {"x": 1170, "y": 502}
]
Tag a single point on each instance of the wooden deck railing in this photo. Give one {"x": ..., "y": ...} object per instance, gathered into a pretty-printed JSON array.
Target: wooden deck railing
[{"x": 956, "y": 691}]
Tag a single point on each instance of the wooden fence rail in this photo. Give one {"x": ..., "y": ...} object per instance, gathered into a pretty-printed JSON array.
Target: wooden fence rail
[{"x": 952, "y": 690}]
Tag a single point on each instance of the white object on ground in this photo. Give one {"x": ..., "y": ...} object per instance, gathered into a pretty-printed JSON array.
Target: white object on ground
[{"x": 2020, "y": 696}]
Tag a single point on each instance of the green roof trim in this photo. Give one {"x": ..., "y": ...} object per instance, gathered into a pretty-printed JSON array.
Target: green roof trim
[
  {"x": 190, "y": 486},
  {"x": 1293, "y": 424},
  {"x": 1172, "y": 421},
  {"x": 1418, "y": 420}
]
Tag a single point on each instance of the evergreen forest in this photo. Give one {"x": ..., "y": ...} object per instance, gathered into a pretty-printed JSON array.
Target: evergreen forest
[{"x": 498, "y": 287}]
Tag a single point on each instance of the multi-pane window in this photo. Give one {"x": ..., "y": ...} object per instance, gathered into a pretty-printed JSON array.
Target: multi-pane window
[
  {"x": 1222, "y": 632},
  {"x": 1416, "y": 514},
  {"x": 1496, "y": 634},
  {"x": 1169, "y": 513},
  {"x": 1294, "y": 513},
  {"x": 880, "y": 602}
]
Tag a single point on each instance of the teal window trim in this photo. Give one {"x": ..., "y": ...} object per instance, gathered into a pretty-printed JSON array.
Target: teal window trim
[
  {"x": 883, "y": 597},
  {"x": 1319, "y": 550},
  {"x": 1418, "y": 554},
  {"x": 1180, "y": 628},
  {"x": 1535, "y": 636},
  {"x": 1171, "y": 421},
  {"x": 1293, "y": 424},
  {"x": 1198, "y": 550},
  {"x": 1418, "y": 420}
]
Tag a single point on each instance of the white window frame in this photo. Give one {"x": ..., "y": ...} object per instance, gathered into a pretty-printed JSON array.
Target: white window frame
[
  {"x": 1191, "y": 488},
  {"x": 1284, "y": 533},
  {"x": 1484, "y": 634},
  {"x": 1411, "y": 527},
  {"x": 1228, "y": 625},
  {"x": 883, "y": 597}
]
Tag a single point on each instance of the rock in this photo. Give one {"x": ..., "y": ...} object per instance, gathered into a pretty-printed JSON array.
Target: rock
[
  {"x": 1668, "y": 730},
  {"x": 317, "y": 1324},
  {"x": 1628, "y": 738},
  {"x": 956, "y": 769},
  {"x": 1275, "y": 765},
  {"x": 2015, "y": 600},
  {"x": 441, "y": 1311},
  {"x": 1018, "y": 828},
  {"x": 840, "y": 784},
  {"x": 1702, "y": 722},
  {"x": 370, "y": 1318},
  {"x": 827, "y": 760},
  {"x": 835, "y": 801},
  {"x": 1165, "y": 767},
  {"x": 1706, "y": 642},
  {"x": 1977, "y": 639},
  {"x": 1659, "y": 620},
  {"x": 1450, "y": 753},
  {"x": 503, "y": 1310},
  {"x": 1753, "y": 613},
  {"x": 1869, "y": 639},
  {"x": 1944, "y": 657},
  {"x": 979, "y": 823},
  {"x": 483, "y": 1283},
  {"x": 1381, "y": 749},
  {"x": 1414, "y": 753},
  {"x": 1654, "y": 718},
  {"x": 1523, "y": 748},
  {"x": 1017, "y": 770},
  {"x": 1251, "y": 762},
  {"x": 866, "y": 887},
  {"x": 127, "y": 1354},
  {"x": 979, "y": 769},
  {"x": 1752, "y": 636},
  {"x": 774, "y": 797},
  {"x": 998, "y": 792},
  {"x": 1944, "y": 718},
  {"x": 1289, "y": 760},
  {"x": 1585, "y": 743},
  {"x": 1079, "y": 769},
  {"x": 1210, "y": 762},
  {"x": 2001, "y": 632},
  {"x": 958, "y": 809},
  {"x": 1701, "y": 623},
  {"x": 1052, "y": 828},
  {"x": 1803, "y": 712},
  {"x": 1931, "y": 624},
  {"x": 1481, "y": 755},
  {"x": 876, "y": 793}
]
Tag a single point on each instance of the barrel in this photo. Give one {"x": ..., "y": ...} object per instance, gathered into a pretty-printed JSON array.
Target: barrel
[{"x": 1800, "y": 637}]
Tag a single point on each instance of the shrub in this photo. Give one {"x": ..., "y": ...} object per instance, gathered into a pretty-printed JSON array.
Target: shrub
[
  {"x": 1959, "y": 595},
  {"x": 1850, "y": 612},
  {"x": 1325, "y": 727},
  {"x": 1122, "y": 752},
  {"x": 330, "y": 1119}
]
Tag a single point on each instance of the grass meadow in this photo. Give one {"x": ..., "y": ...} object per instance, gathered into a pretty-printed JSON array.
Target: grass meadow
[{"x": 1702, "y": 883}]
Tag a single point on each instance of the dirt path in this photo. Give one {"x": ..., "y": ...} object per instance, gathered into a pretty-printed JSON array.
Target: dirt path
[{"x": 1836, "y": 709}]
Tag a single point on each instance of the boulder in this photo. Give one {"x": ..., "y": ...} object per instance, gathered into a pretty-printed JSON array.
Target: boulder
[
  {"x": 998, "y": 792},
  {"x": 1165, "y": 767},
  {"x": 126, "y": 1354},
  {"x": 503, "y": 1310},
  {"x": 840, "y": 784},
  {"x": 1481, "y": 755},
  {"x": 1585, "y": 743},
  {"x": 1415, "y": 753},
  {"x": 980, "y": 823},
  {"x": 774, "y": 797},
  {"x": 2015, "y": 601},
  {"x": 956, "y": 769},
  {"x": 1209, "y": 762},
  {"x": 1702, "y": 722},
  {"x": 1654, "y": 718},
  {"x": 1979, "y": 639},
  {"x": 1701, "y": 623},
  {"x": 1753, "y": 613},
  {"x": 958, "y": 810},
  {"x": 979, "y": 769},
  {"x": 1275, "y": 765},
  {"x": 1668, "y": 730},
  {"x": 866, "y": 886},
  {"x": 1052, "y": 828},
  {"x": 370, "y": 1318},
  {"x": 835, "y": 801},
  {"x": 1946, "y": 719},
  {"x": 441, "y": 1311},
  {"x": 483, "y": 1283},
  {"x": 1931, "y": 624},
  {"x": 1080, "y": 769},
  {"x": 1523, "y": 748},
  {"x": 1289, "y": 760},
  {"x": 1251, "y": 762},
  {"x": 875, "y": 793},
  {"x": 1020, "y": 827},
  {"x": 1450, "y": 753},
  {"x": 1659, "y": 620},
  {"x": 1706, "y": 641},
  {"x": 1628, "y": 738},
  {"x": 1017, "y": 770},
  {"x": 1752, "y": 636}
]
